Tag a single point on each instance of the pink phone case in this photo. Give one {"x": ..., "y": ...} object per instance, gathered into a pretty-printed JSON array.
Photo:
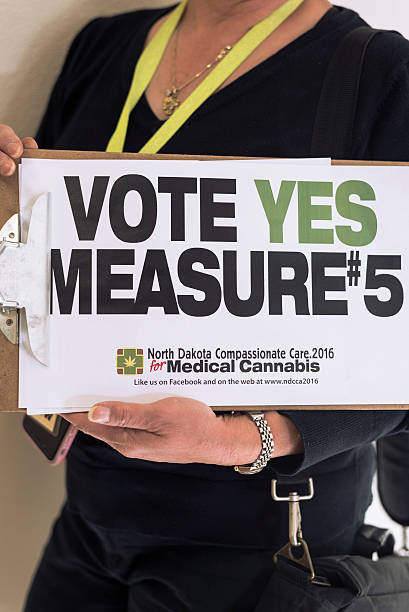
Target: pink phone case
[
  {"x": 62, "y": 450},
  {"x": 64, "y": 446}
]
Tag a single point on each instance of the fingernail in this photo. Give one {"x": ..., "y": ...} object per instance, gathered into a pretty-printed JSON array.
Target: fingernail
[
  {"x": 14, "y": 149},
  {"x": 8, "y": 169},
  {"x": 99, "y": 414}
]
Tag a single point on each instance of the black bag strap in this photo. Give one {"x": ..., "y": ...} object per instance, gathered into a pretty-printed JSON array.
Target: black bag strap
[
  {"x": 393, "y": 471},
  {"x": 334, "y": 123}
]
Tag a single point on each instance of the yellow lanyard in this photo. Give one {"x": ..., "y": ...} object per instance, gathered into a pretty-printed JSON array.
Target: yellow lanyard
[{"x": 149, "y": 61}]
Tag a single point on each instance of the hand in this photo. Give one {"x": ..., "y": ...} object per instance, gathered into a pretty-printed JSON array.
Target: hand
[
  {"x": 181, "y": 430},
  {"x": 11, "y": 148}
]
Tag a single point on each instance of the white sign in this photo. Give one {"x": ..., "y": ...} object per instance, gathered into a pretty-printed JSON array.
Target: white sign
[{"x": 234, "y": 283}]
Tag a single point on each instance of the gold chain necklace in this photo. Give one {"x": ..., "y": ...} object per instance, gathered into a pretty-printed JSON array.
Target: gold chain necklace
[{"x": 171, "y": 100}]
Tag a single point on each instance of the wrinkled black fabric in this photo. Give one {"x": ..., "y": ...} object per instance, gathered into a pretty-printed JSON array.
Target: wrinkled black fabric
[{"x": 357, "y": 585}]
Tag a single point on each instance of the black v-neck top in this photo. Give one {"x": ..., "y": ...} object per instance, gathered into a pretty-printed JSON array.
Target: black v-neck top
[
  {"x": 274, "y": 103},
  {"x": 269, "y": 111}
]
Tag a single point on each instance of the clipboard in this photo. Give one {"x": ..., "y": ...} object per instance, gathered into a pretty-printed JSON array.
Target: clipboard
[{"x": 9, "y": 205}]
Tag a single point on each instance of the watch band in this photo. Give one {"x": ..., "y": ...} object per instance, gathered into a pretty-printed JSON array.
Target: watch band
[{"x": 267, "y": 445}]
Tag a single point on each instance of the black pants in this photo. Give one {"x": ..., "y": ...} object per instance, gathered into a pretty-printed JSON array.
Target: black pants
[
  {"x": 136, "y": 536},
  {"x": 88, "y": 569}
]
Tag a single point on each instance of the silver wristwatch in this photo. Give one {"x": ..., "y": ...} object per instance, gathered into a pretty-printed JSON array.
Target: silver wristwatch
[{"x": 267, "y": 445}]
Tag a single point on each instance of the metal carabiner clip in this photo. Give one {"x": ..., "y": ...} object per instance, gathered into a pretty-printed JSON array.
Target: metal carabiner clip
[
  {"x": 294, "y": 512},
  {"x": 296, "y": 540}
]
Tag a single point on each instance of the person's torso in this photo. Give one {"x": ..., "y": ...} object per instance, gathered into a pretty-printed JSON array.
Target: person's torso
[{"x": 269, "y": 111}]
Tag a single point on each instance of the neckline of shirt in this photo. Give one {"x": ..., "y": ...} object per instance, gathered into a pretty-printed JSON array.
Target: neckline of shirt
[{"x": 336, "y": 16}]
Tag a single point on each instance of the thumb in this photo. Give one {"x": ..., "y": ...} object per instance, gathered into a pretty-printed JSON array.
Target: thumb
[{"x": 119, "y": 414}]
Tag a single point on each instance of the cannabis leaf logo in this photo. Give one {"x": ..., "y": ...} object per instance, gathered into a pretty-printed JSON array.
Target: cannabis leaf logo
[{"x": 129, "y": 361}]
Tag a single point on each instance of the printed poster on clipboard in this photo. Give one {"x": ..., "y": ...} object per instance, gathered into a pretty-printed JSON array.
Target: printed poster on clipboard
[{"x": 236, "y": 283}]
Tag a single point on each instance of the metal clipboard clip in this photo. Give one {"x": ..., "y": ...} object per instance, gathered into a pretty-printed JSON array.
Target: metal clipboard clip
[{"x": 25, "y": 279}]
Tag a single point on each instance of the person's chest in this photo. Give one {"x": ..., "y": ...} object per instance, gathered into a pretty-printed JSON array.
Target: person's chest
[
  {"x": 269, "y": 111},
  {"x": 193, "y": 53}
]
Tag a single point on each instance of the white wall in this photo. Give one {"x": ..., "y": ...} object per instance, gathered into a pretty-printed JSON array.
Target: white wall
[
  {"x": 385, "y": 14},
  {"x": 34, "y": 36}
]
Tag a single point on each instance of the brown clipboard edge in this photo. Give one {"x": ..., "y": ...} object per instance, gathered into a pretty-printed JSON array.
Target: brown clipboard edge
[{"x": 9, "y": 204}]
